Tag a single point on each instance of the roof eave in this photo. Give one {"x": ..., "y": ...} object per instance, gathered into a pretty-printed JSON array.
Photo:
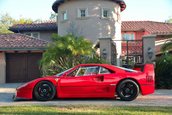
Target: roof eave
[
  {"x": 18, "y": 29},
  {"x": 56, "y": 5},
  {"x": 23, "y": 49},
  {"x": 58, "y": 2}
]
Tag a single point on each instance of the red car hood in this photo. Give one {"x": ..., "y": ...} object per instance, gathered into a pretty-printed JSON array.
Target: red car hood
[{"x": 53, "y": 79}]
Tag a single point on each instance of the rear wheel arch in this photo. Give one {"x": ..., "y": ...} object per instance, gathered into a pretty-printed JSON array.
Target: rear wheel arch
[
  {"x": 127, "y": 96},
  {"x": 128, "y": 79}
]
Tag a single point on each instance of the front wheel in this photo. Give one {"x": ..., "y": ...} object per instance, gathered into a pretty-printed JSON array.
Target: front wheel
[
  {"x": 44, "y": 91},
  {"x": 128, "y": 90}
]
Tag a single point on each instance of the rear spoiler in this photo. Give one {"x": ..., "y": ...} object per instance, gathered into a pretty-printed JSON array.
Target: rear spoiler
[
  {"x": 148, "y": 69},
  {"x": 144, "y": 68}
]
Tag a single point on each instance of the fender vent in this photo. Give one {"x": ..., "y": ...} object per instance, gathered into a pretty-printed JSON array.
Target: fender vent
[{"x": 149, "y": 78}]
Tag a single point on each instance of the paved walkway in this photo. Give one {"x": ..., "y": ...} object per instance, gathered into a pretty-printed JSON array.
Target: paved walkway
[{"x": 159, "y": 98}]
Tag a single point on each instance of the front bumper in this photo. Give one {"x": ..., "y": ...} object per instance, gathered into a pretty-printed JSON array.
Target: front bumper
[
  {"x": 22, "y": 93},
  {"x": 16, "y": 98}
]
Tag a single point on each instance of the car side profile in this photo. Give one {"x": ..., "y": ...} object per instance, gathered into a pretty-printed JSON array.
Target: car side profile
[{"x": 91, "y": 81}]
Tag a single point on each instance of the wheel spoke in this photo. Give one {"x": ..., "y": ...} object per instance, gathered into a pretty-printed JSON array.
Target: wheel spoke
[
  {"x": 128, "y": 90},
  {"x": 45, "y": 91}
]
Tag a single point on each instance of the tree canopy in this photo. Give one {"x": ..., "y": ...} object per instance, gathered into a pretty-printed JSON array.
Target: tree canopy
[
  {"x": 6, "y": 21},
  {"x": 53, "y": 16}
]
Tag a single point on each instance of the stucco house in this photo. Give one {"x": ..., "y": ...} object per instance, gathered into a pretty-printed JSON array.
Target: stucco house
[{"x": 135, "y": 30}]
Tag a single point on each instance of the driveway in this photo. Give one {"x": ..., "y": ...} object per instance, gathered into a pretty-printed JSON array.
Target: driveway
[{"x": 159, "y": 98}]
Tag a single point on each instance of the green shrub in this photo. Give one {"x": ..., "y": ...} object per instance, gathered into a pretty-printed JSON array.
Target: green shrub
[{"x": 163, "y": 72}]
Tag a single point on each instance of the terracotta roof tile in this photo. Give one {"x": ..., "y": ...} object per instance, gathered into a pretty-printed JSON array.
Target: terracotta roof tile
[
  {"x": 149, "y": 26},
  {"x": 50, "y": 26},
  {"x": 20, "y": 41}
]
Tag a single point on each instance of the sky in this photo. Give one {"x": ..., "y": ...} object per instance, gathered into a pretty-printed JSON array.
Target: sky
[{"x": 153, "y": 10}]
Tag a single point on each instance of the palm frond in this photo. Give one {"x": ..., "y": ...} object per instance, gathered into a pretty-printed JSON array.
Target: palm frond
[{"x": 167, "y": 46}]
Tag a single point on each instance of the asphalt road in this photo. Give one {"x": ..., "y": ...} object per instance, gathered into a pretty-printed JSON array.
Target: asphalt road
[{"x": 159, "y": 98}]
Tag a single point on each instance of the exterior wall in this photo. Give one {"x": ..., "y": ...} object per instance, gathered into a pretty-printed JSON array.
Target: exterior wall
[
  {"x": 2, "y": 68},
  {"x": 93, "y": 26},
  {"x": 44, "y": 35},
  {"x": 139, "y": 35}
]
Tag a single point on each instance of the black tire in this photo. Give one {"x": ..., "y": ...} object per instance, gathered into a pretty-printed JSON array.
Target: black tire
[
  {"x": 128, "y": 90},
  {"x": 44, "y": 91}
]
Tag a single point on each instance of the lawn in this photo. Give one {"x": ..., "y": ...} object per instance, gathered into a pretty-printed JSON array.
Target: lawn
[{"x": 82, "y": 109}]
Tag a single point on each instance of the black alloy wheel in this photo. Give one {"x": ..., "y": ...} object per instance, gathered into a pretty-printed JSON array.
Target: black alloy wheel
[
  {"x": 128, "y": 90},
  {"x": 44, "y": 91}
]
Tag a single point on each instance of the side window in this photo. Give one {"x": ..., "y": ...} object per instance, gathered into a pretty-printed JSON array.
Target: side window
[
  {"x": 64, "y": 15},
  {"x": 92, "y": 70},
  {"x": 82, "y": 12},
  {"x": 105, "y": 13},
  {"x": 86, "y": 71},
  {"x": 104, "y": 71},
  {"x": 81, "y": 71},
  {"x": 128, "y": 36},
  {"x": 35, "y": 35},
  {"x": 73, "y": 73},
  {"x": 28, "y": 34}
]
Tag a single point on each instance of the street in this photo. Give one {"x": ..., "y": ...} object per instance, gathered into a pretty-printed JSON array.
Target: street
[{"x": 159, "y": 98}]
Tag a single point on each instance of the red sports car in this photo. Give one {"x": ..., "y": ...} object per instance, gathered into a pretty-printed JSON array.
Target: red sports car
[{"x": 91, "y": 81}]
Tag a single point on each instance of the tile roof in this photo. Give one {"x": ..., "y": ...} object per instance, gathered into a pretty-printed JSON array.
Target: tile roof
[
  {"x": 149, "y": 26},
  {"x": 19, "y": 41},
  {"x": 45, "y": 26},
  {"x": 57, "y": 3}
]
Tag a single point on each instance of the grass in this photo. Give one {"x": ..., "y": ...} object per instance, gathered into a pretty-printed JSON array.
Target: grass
[{"x": 85, "y": 110}]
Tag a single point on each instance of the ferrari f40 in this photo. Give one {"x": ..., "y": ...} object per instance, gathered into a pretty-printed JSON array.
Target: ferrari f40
[{"x": 91, "y": 81}]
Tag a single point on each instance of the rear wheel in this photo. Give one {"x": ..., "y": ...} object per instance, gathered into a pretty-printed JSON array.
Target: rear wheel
[
  {"x": 44, "y": 91},
  {"x": 128, "y": 90}
]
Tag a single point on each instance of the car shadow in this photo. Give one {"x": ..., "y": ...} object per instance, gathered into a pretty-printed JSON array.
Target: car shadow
[{"x": 72, "y": 100}]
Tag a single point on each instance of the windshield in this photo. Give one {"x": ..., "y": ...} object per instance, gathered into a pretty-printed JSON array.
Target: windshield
[
  {"x": 60, "y": 74},
  {"x": 126, "y": 69}
]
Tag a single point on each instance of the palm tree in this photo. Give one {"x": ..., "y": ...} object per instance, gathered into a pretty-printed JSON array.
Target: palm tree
[
  {"x": 167, "y": 46},
  {"x": 65, "y": 52},
  {"x": 163, "y": 67}
]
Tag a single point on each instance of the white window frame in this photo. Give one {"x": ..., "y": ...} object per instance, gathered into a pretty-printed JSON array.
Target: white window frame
[
  {"x": 36, "y": 33},
  {"x": 64, "y": 15},
  {"x": 79, "y": 13},
  {"x": 128, "y": 34},
  {"x": 31, "y": 34},
  {"x": 108, "y": 12}
]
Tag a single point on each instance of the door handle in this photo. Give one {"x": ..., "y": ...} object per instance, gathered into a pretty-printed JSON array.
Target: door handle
[{"x": 99, "y": 78}]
